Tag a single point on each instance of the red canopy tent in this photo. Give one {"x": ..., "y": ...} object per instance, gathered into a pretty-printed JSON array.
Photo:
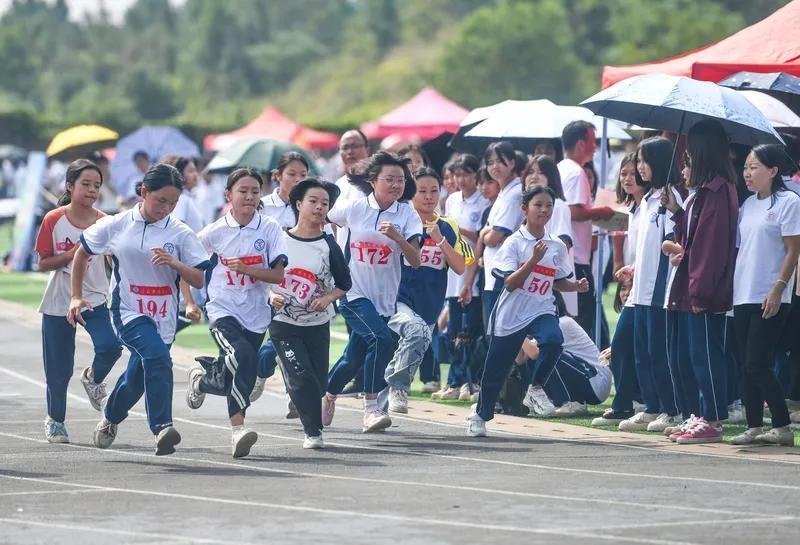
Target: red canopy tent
[
  {"x": 771, "y": 45},
  {"x": 427, "y": 115},
  {"x": 273, "y": 124}
]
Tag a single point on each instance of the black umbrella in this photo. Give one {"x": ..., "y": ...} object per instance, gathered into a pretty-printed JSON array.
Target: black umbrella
[{"x": 785, "y": 87}]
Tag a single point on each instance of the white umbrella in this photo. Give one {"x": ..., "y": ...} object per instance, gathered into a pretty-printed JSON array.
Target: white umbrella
[
  {"x": 778, "y": 113},
  {"x": 536, "y": 119}
]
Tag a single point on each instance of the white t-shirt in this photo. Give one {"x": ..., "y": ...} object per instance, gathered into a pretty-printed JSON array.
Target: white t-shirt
[
  {"x": 561, "y": 222},
  {"x": 516, "y": 309},
  {"x": 578, "y": 343},
  {"x": 259, "y": 243},
  {"x": 577, "y": 190},
  {"x": 347, "y": 193},
  {"x": 57, "y": 236},
  {"x": 374, "y": 258},
  {"x": 652, "y": 267},
  {"x": 762, "y": 226},
  {"x": 139, "y": 288},
  {"x": 186, "y": 210},
  {"x": 506, "y": 216},
  {"x": 467, "y": 213}
]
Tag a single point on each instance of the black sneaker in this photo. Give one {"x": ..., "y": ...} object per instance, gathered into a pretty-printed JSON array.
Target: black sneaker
[{"x": 612, "y": 418}]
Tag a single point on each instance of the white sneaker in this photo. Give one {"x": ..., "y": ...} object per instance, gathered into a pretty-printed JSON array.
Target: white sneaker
[
  {"x": 242, "y": 440},
  {"x": 749, "y": 437},
  {"x": 795, "y": 417},
  {"x": 476, "y": 426},
  {"x": 664, "y": 421},
  {"x": 166, "y": 440},
  {"x": 328, "y": 408},
  {"x": 95, "y": 392},
  {"x": 104, "y": 434},
  {"x": 258, "y": 389},
  {"x": 736, "y": 413},
  {"x": 55, "y": 432},
  {"x": 637, "y": 422},
  {"x": 536, "y": 400},
  {"x": 314, "y": 442},
  {"x": 398, "y": 401},
  {"x": 375, "y": 420},
  {"x": 194, "y": 397},
  {"x": 778, "y": 436},
  {"x": 446, "y": 393},
  {"x": 291, "y": 410},
  {"x": 639, "y": 407},
  {"x": 430, "y": 387},
  {"x": 571, "y": 408},
  {"x": 464, "y": 393}
]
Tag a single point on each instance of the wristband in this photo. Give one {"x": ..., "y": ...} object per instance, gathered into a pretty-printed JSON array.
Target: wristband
[
  {"x": 782, "y": 281},
  {"x": 439, "y": 244}
]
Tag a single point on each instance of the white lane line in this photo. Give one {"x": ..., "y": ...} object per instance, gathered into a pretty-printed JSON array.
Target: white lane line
[
  {"x": 703, "y": 480},
  {"x": 48, "y": 492},
  {"x": 82, "y": 528},
  {"x": 426, "y": 485},
  {"x": 704, "y": 522},
  {"x": 346, "y": 513},
  {"x": 40, "y": 421}
]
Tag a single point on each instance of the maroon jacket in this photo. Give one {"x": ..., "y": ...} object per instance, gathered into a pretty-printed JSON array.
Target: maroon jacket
[{"x": 704, "y": 277}]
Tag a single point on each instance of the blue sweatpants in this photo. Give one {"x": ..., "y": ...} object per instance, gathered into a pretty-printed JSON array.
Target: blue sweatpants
[
  {"x": 707, "y": 353},
  {"x": 266, "y": 364},
  {"x": 623, "y": 363},
  {"x": 370, "y": 347},
  {"x": 469, "y": 320},
  {"x": 652, "y": 365},
  {"x": 504, "y": 349},
  {"x": 149, "y": 372},
  {"x": 687, "y": 394},
  {"x": 571, "y": 381},
  {"x": 58, "y": 350}
]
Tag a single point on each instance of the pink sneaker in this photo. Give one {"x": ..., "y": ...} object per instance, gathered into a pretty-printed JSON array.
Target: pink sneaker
[
  {"x": 701, "y": 432},
  {"x": 685, "y": 426},
  {"x": 328, "y": 408}
]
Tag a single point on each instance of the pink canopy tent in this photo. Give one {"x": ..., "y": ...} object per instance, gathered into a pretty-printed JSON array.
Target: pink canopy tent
[
  {"x": 771, "y": 45},
  {"x": 426, "y": 116},
  {"x": 273, "y": 124}
]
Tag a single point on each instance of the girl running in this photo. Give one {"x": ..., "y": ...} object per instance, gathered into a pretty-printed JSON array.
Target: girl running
[
  {"x": 769, "y": 233},
  {"x": 316, "y": 277},
  {"x": 247, "y": 254},
  {"x": 531, "y": 263},
  {"x": 56, "y": 245},
  {"x": 380, "y": 229},
  {"x": 151, "y": 253}
]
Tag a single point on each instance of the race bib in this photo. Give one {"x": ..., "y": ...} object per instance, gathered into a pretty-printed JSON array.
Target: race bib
[
  {"x": 240, "y": 279},
  {"x": 152, "y": 301},
  {"x": 300, "y": 284},
  {"x": 431, "y": 255},
  {"x": 540, "y": 282},
  {"x": 370, "y": 253}
]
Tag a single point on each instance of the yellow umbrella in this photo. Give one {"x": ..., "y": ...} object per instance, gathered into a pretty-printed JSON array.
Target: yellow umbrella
[{"x": 81, "y": 139}]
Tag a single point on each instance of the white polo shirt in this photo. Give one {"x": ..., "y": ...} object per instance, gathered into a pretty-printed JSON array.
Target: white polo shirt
[
  {"x": 467, "y": 213},
  {"x": 139, "y": 288},
  {"x": 578, "y": 343},
  {"x": 259, "y": 243},
  {"x": 374, "y": 259},
  {"x": 506, "y": 216},
  {"x": 516, "y": 309},
  {"x": 578, "y": 190},
  {"x": 560, "y": 223},
  {"x": 280, "y": 211},
  {"x": 347, "y": 193},
  {"x": 187, "y": 211},
  {"x": 652, "y": 267},
  {"x": 762, "y": 226}
]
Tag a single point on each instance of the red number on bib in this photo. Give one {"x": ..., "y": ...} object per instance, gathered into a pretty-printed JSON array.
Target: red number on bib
[
  {"x": 151, "y": 308},
  {"x": 371, "y": 252},
  {"x": 238, "y": 278}
]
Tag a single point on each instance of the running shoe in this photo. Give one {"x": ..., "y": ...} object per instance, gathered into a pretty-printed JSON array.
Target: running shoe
[
  {"x": 795, "y": 417},
  {"x": 448, "y": 393},
  {"x": 701, "y": 432},
  {"x": 291, "y": 410},
  {"x": 328, "y": 408},
  {"x": 736, "y": 413},
  {"x": 749, "y": 437},
  {"x": 258, "y": 389},
  {"x": 778, "y": 436},
  {"x": 375, "y": 420},
  {"x": 611, "y": 418},
  {"x": 314, "y": 442},
  {"x": 571, "y": 408},
  {"x": 166, "y": 440},
  {"x": 637, "y": 422},
  {"x": 242, "y": 440},
  {"x": 55, "y": 432},
  {"x": 476, "y": 426},
  {"x": 430, "y": 387},
  {"x": 673, "y": 432},
  {"x": 104, "y": 434},
  {"x": 664, "y": 421},
  {"x": 398, "y": 401},
  {"x": 194, "y": 397},
  {"x": 536, "y": 400},
  {"x": 95, "y": 392}
]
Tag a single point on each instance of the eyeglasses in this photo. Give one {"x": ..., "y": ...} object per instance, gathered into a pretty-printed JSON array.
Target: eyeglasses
[
  {"x": 393, "y": 180},
  {"x": 351, "y": 147}
]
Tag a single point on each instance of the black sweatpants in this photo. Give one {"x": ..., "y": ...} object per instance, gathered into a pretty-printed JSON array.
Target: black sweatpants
[
  {"x": 238, "y": 350},
  {"x": 758, "y": 339},
  {"x": 587, "y": 304},
  {"x": 304, "y": 356}
]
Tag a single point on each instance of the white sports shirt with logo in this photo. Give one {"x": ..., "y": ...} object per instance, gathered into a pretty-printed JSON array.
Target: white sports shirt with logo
[
  {"x": 374, "y": 258},
  {"x": 139, "y": 288},
  {"x": 516, "y": 309},
  {"x": 506, "y": 216},
  {"x": 259, "y": 244},
  {"x": 467, "y": 213}
]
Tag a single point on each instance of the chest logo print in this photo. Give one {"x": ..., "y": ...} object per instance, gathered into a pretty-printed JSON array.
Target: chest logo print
[
  {"x": 170, "y": 247},
  {"x": 259, "y": 244}
]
